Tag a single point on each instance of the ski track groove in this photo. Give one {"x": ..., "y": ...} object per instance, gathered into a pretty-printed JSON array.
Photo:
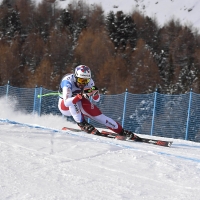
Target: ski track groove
[{"x": 59, "y": 164}]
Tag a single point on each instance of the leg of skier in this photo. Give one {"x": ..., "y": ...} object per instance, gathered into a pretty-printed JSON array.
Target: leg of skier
[
  {"x": 74, "y": 111},
  {"x": 85, "y": 107},
  {"x": 93, "y": 112}
]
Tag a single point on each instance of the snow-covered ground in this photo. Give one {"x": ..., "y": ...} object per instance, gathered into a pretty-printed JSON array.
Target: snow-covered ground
[
  {"x": 38, "y": 161},
  {"x": 187, "y": 11}
]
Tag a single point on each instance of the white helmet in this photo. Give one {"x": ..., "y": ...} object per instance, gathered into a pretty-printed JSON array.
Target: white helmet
[{"x": 82, "y": 71}]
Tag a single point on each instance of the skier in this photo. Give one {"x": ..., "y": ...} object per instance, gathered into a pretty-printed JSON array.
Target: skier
[{"x": 76, "y": 90}]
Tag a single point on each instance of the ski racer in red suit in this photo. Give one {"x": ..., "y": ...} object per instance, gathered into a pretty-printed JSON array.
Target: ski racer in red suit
[{"x": 76, "y": 90}]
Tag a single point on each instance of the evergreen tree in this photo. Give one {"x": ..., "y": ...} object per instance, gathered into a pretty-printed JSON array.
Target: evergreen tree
[
  {"x": 65, "y": 18},
  {"x": 164, "y": 56},
  {"x": 74, "y": 18},
  {"x": 27, "y": 12},
  {"x": 184, "y": 57},
  {"x": 10, "y": 23},
  {"x": 122, "y": 30},
  {"x": 147, "y": 30}
]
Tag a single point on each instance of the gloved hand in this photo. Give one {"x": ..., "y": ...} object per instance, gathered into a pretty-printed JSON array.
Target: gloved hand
[
  {"x": 86, "y": 95},
  {"x": 95, "y": 90},
  {"x": 88, "y": 92},
  {"x": 95, "y": 95}
]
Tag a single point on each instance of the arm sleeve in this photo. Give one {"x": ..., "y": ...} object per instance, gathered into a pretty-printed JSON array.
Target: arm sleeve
[{"x": 67, "y": 96}]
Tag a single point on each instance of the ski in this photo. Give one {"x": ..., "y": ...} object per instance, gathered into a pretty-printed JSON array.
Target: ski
[
  {"x": 145, "y": 140},
  {"x": 113, "y": 135}
]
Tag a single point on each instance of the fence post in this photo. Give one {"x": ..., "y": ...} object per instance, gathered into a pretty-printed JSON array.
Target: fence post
[
  {"x": 40, "y": 102},
  {"x": 188, "y": 116},
  {"x": 35, "y": 100},
  {"x": 124, "y": 111},
  {"x": 7, "y": 89},
  {"x": 91, "y": 105},
  {"x": 154, "y": 111}
]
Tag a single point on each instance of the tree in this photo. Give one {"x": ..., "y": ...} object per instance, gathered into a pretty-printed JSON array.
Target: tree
[
  {"x": 121, "y": 29},
  {"x": 76, "y": 18},
  {"x": 164, "y": 56},
  {"x": 60, "y": 52},
  {"x": 147, "y": 29},
  {"x": 9, "y": 63},
  {"x": 113, "y": 76},
  {"x": 144, "y": 73},
  {"x": 94, "y": 49},
  {"x": 43, "y": 76},
  {"x": 65, "y": 18},
  {"x": 10, "y": 23},
  {"x": 32, "y": 51},
  {"x": 27, "y": 12},
  {"x": 96, "y": 18},
  {"x": 183, "y": 50}
]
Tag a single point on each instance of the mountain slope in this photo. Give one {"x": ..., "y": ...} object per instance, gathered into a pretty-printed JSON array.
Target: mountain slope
[{"x": 163, "y": 10}]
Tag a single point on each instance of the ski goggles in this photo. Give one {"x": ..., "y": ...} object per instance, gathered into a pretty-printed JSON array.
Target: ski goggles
[{"x": 82, "y": 80}]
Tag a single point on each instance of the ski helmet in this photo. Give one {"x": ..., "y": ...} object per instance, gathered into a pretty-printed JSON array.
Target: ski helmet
[{"x": 82, "y": 74}]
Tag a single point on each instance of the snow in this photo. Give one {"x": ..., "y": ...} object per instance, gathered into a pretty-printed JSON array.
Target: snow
[
  {"x": 38, "y": 161},
  {"x": 187, "y": 11}
]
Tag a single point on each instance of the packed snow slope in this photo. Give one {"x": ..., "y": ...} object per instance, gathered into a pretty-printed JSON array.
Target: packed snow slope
[{"x": 38, "y": 161}]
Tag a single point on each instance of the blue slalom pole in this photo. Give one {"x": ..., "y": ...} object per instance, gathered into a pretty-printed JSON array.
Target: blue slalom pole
[
  {"x": 188, "y": 117},
  {"x": 7, "y": 89},
  {"x": 154, "y": 111},
  {"x": 124, "y": 110},
  {"x": 40, "y": 102},
  {"x": 35, "y": 99}
]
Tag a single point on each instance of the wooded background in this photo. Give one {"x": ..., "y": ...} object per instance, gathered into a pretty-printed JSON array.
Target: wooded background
[{"x": 41, "y": 43}]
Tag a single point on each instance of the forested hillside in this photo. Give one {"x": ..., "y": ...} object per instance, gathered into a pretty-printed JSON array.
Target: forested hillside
[{"x": 39, "y": 44}]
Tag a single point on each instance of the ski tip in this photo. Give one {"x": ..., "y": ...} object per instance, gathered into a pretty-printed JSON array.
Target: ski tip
[
  {"x": 164, "y": 143},
  {"x": 170, "y": 144}
]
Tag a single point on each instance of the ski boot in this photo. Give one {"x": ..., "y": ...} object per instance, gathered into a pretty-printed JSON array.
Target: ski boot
[
  {"x": 126, "y": 135},
  {"x": 88, "y": 128}
]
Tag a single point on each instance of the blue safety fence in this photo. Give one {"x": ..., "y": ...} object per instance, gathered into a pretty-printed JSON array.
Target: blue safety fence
[{"x": 173, "y": 116}]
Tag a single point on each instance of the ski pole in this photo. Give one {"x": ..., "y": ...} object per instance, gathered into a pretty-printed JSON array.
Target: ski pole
[{"x": 48, "y": 94}]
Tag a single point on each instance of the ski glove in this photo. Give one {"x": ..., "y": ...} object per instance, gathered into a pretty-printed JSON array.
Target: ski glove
[
  {"x": 88, "y": 92},
  {"x": 95, "y": 90}
]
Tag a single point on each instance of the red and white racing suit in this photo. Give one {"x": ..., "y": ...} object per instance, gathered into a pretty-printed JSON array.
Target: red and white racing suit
[{"x": 83, "y": 107}]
